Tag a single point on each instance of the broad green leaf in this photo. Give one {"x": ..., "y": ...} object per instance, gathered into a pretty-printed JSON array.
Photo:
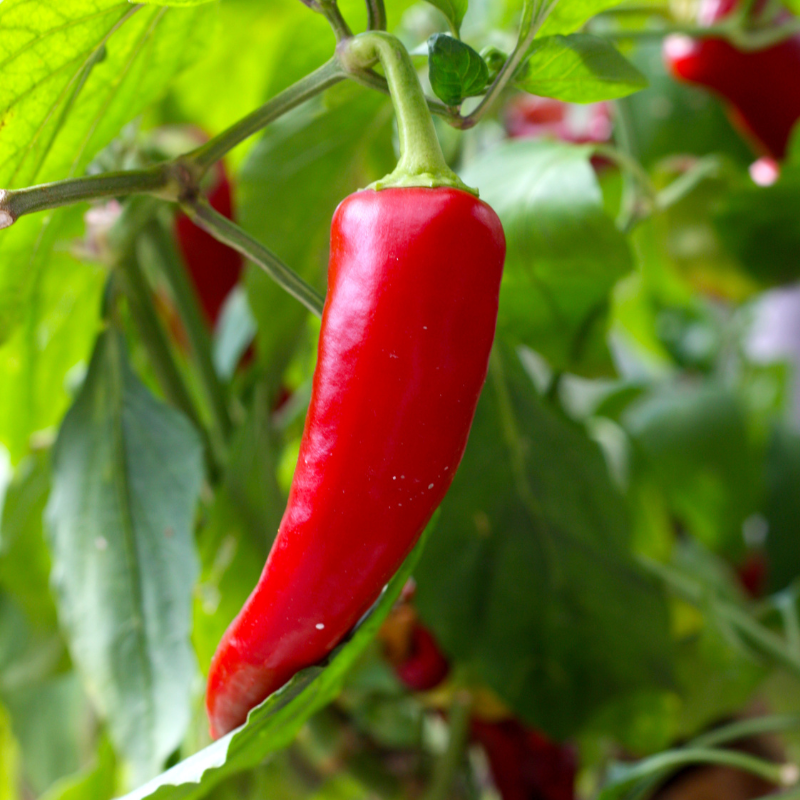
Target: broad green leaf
[
  {"x": 456, "y": 71},
  {"x": 48, "y": 351},
  {"x": 453, "y": 11},
  {"x": 564, "y": 252},
  {"x": 272, "y": 725},
  {"x": 73, "y": 74},
  {"x": 126, "y": 477},
  {"x": 290, "y": 185},
  {"x": 578, "y": 69},
  {"x": 529, "y": 580}
]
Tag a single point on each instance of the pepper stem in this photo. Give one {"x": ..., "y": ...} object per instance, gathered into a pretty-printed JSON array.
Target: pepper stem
[{"x": 421, "y": 160}]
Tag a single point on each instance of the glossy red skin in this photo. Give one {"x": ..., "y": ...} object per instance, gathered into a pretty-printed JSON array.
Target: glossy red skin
[
  {"x": 426, "y": 667},
  {"x": 525, "y": 765},
  {"x": 214, "y": 267},
  {"x": 408, "y": 323},
  {"x": 762, "y": 86}
]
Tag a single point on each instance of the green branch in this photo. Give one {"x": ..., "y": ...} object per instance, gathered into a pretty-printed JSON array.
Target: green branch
[
  {"x": 14, "y": 203},
  {"x": 229, "y": 233}
]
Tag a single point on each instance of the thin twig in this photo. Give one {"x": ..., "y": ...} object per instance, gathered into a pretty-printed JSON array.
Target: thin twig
[{"x": 228, "y": 232}]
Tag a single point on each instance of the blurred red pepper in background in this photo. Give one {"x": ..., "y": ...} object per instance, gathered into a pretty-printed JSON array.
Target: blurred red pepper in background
[
  {"x": 761, "y": 86},
  {"x": 214, "y": 267}
]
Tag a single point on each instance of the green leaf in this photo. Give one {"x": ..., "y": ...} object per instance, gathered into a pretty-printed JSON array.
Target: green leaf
[
  {"x": 126, "y": 476},
  {"x": 578, "y": 68},
  {"x": 456, "y": 70},
  {"x": 564, "y": 253},
  {"x": 272, "y": 725},
  {"x": 529, "y": 580},
  {"x": 51, "y": 348},
  {"x": 289, "y": 188},
  {"x": 74, "y": 74},
  {"x": 453, "y": 10}
]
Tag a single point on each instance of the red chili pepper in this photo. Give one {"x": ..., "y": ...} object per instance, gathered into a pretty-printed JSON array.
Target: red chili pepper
[
  {"x": 408, "y": 323},
  {"x": 214, "y": 267},
  {"x": 762, "y": 86}
]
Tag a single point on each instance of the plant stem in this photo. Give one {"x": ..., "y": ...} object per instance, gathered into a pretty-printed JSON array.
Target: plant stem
[
  {"x": 421, "y": 160},
  {"x": 376, "y": 15},
  {"x": 779, "y": 774},
  {"x": 707, "y": 167},
  {"x": 330, "y": 9},
  {"x": 372, "y": 80},
  {"x": 201, "y": 159},
  {"x": 229, "y": 233},
  {"x": 14, "y": 203},
  {"x": 194, "y": 323},
  {"x": 448, "y": 764}
]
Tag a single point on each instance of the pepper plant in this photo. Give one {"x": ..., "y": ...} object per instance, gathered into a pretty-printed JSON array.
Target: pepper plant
[{"x": 606, "y": 599}]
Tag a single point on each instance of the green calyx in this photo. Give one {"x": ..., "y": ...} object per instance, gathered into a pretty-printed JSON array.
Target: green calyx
[{"x": 421, "y": 160}]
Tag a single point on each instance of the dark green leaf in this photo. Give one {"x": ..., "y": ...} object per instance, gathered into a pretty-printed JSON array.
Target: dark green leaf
[
  {"x": 564, "y": 252},
  {"x": 456, "y": 71},
  {"x": 272, "y": 725},
  {"x": 126, "y": 476},
  {"x": 42, "y": 359},
  {"x": 578, "y": 68},
  {"x": 529, "y": 578},
  {"x": 60, "y": 103}
]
